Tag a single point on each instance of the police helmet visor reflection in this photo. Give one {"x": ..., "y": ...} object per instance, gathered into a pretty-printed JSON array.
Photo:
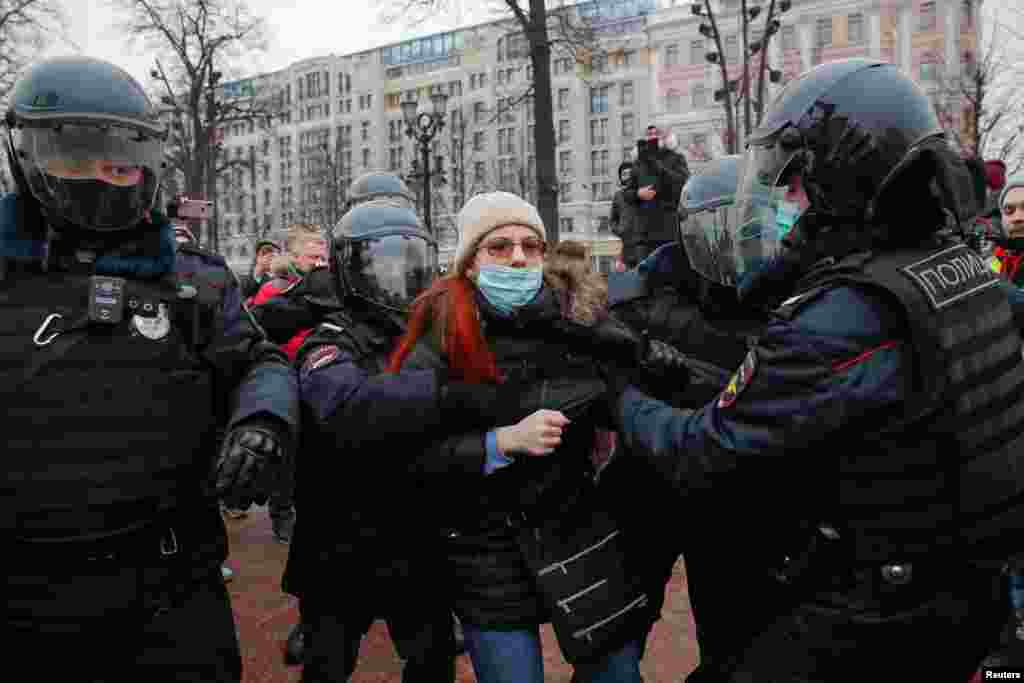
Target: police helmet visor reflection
[
  {"x": 93, "y": 176},
  {"x": 766, "y": 208},
  {"x": 390, "y": 270},
  {"x": 702, "y": 233}
]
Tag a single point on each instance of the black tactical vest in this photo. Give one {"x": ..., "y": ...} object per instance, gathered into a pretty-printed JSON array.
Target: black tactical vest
[
  {"x": 943, "y": 477},
  {"x": 106, "y": 424}
]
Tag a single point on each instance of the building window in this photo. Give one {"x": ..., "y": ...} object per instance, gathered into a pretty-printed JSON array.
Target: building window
[
  {"x": 564, "y": 131},
  {"x": 672, "y": 55},
  {"x": 697, "y": 52},
  {"x": 505, "y": 110},
  {"x": 565, "y": 225},
  {"x": 598, "y": 131},
  {"x": 602, "y": 225},
  {"x": 506, "y": 141},
  {"x": 563, "y": 99},
  {"x": 563, "y": 66},
  {"x": 627, "y": 154},
  {"x": 823, "y": 32},
  {"x": 699, "y": 95},
  {"x": 928, "y": 17},
  {"x": 366, "y": 158},
  {"x": 626, "y": 95},
  {"x": 479, "y": 141},
  {"x": 855, "y": 28},
  {"x": 565, "y": 162},
  {"x": 599, "y": 163},
  {"x": 479, "y": 172},
  {"x": 479, "y": 112},
  {"x": 628, "y": 126},
  {"x": 599, "y": 100},
  {"x": 564, "y": 192}
]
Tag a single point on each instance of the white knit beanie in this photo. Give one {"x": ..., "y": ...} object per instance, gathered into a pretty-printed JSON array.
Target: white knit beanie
[{"x": 486, "y": 212}]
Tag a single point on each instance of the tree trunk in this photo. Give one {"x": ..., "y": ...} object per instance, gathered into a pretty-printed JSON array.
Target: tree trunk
[{"x": 544, "y": 128}]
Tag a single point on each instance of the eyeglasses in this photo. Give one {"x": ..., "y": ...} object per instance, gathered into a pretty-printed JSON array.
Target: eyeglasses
[{"x": 504, "y": 248}]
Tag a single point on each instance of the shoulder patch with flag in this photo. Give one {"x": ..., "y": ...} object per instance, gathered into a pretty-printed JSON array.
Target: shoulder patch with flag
[
  {"x": 740, "y": 379},
  {"x": 320, "y": 357}
]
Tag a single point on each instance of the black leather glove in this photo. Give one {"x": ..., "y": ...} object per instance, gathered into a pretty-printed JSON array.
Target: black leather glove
[
  {"x": 665, "y": 358},
  {"x": 249, "y": 459}
]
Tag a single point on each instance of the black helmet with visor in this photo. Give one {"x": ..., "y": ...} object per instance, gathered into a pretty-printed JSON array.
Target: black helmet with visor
[
  {"x": 704, "y": 213},
  {"x": 86, "y": 142},
  {"x": 382, "y": 254},
  {"x": 380, "y": 185},
  {"x": 820, "y": 161}
]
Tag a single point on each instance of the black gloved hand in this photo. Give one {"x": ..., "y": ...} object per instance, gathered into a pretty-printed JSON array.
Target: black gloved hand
[
  {"x": 665, "y": 358},
  {"x": 248, "y": 460}
]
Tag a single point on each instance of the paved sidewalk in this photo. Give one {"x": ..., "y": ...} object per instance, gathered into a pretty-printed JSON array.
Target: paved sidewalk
[{"x": 264, "y": 615}]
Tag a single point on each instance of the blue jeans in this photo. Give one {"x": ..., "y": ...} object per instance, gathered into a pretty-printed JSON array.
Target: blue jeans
[{"x": 516, "y": 657}]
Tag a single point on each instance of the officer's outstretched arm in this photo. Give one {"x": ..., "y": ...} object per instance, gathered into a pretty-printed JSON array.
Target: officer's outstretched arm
[
  {"x": 256, "y": 372},
  {"x": 828, "y": 368}
]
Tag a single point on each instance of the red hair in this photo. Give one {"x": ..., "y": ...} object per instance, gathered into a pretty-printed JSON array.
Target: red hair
[{"x": 450, "y": 305}]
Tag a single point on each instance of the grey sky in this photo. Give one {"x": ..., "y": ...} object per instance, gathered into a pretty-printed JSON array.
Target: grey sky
[
  {"x": 302, "y": 29},
  {"x": 308, "y": 28}
]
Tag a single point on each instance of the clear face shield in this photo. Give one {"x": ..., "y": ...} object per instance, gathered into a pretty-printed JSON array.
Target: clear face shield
[
  {"x": 98, "y": 177},
  {"x": 744, "y": 237},
  {"x": 390, "y": 270}
]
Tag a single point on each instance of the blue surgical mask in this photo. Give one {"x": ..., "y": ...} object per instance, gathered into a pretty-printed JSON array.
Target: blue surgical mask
[
  {"x": 786, "y": 216},
  {"x": 508, "y": 288}
]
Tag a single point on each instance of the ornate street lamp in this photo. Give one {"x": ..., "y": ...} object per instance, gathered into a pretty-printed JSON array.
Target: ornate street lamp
[{"x": 421, "y": 127}]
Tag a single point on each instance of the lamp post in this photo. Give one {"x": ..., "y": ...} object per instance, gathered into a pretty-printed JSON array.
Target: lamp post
[{"x": 421, "y": 127}]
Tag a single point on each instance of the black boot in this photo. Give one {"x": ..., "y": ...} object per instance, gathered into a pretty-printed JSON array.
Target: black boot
[{"x": 294, "y": 645}]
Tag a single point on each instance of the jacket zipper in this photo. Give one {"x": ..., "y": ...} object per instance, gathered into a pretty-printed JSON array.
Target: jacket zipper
[{"x": 561, "y": 565}]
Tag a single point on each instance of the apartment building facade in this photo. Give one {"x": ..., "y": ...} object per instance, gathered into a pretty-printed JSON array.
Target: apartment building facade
[{"x": 341, "y": 114}]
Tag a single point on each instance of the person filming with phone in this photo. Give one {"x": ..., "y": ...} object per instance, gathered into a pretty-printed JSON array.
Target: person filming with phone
[{"x": 659, "y": 173}]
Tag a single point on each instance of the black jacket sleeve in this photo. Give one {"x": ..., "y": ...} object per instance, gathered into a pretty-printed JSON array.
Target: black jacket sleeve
[{"x": 259, "y": 381}]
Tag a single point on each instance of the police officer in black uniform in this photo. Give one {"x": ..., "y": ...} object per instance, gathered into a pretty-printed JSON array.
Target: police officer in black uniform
[
  {"x": 120, "y": 361},
  {"x": 370, "y": 560},
  {"x": 665, "y": 298},
  {"x": 380, "y": 185},
  {"x": 881, "y": 405}
]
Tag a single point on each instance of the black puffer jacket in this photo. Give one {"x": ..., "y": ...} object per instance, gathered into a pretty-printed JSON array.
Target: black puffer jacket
[{"x": 532, "y": 542}]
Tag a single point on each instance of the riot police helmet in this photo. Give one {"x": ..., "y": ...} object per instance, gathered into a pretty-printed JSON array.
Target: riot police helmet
[
  {"x": 380, "y": 185},
  {"x": 704, "y": 211},
  {"x": 85, "y": 141},
  {"x": 829, "y": 168},
  {"x": 381, "y": 253}
]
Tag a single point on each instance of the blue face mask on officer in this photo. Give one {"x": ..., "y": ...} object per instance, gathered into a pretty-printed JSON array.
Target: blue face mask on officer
[{"x": 507, "y": 288}]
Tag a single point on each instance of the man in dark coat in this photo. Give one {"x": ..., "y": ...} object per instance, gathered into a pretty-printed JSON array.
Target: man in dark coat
[
  {"x": 659, "y": 173},
  {"x": 623, "y": 218}
]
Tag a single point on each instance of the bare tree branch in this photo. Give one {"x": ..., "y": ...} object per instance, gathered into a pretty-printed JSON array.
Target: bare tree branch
[
  {"x": 196, "y": 42},
  {"x": 26, "y": 27}
]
